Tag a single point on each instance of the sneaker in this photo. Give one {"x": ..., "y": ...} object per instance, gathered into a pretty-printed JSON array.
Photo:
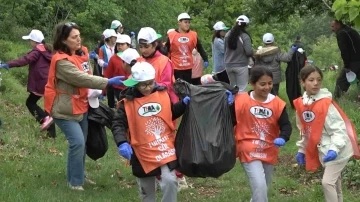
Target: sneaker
[
  {"x": 182, "y": 184},
  {"x": 46, "y": 122},
  {"x": 76, "y": 188},
  {"x": 87, "y": 180}
]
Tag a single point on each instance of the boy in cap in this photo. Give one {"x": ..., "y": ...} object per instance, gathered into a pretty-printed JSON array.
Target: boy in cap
[
  {"x": 180, "y": 44},
  {"x": 146, "y": 112}
]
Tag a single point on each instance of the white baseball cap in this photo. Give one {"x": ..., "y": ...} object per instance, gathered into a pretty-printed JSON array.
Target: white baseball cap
[
  {"x": 115, "y": 24},
  {"x": 170, "y": 30},
  {"x": 129, "y": 55},
  {"x": 141, "y": 71},
  {"x": 35, "y": 35},
  {"x": 184, "y": 16},
  {"x": 268, "y": 38},
  {"x": 93, "y": 97},
  {"x": 123, "y": 38},
  {"x": 109, "y": 33},
  {"x": 243, "y": 19},
  {"x": 148, "y": 34},
  {"x": 219, "y": 26}
]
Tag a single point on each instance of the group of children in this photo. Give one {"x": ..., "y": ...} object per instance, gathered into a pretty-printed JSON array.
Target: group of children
[{"x": 144, "y": 123}]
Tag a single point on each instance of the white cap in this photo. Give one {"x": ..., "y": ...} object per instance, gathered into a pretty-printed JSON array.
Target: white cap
[
  {"x": 93, "y": 99},
  {"x": 123, "y": 38},
  {"x": 141, "y": 71},
  {"x": 115, "y": 24},
  {"x": 268, "y": 38},
  {"x": 109, "y": 33},
  {"x": 219, "y": 26},
  {"x": 129, "y": 55},
  {"x": 243, "y": 19},
  {"x": 170, "y": 30},
  {"x": 35, "y": 35},
  {"x": 184, "y": 16},
  {"x": 148, "y": 34}
]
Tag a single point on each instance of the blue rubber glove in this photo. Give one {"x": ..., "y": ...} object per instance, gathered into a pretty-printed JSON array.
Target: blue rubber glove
[
  {"x": 93, "y": 55},
  {"x": 105, "y": 64},
  {"x": 101, "y": 97},
  {"x": 206, "y": 64},
  {"x": 331, "y": 155},
  {"x": 116, "y": 81},
  {"x": 5, "y": 66},
  {"x": 230, "y": 97},
  {"x": 294, "y": 48},
  {"x": 125, "y": 150},
  {"x": 300, "y": 158},
  {"x": 132, "y": 33},
  {"x": 279, "y": 142},
  {"x": 186, "y": 100}
]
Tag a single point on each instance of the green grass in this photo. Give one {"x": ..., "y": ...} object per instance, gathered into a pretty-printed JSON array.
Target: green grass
[{"x": 32, "y": 168}]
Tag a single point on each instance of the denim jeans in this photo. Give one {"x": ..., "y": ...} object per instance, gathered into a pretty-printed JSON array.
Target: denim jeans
[{"x": 76, "y": 133}]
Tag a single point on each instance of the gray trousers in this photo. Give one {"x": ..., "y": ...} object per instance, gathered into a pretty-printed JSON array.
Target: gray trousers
[
  {"x": 259, "y": 175},
  {"x": 238, "y": 76},
  {"x": 168, "y": 185}
]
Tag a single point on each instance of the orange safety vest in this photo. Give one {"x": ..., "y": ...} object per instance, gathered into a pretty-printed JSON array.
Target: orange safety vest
[
  {"x": 152, "y": 133},
  {"x": 256, "y": 128},
  {"x": 181, "y": 47},
  {"x": 79, "y": 101},
  {"x": 159, "y": 63},
  {"x": 312, "y": 118}
]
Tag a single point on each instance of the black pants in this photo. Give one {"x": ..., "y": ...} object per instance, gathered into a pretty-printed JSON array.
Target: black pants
[
  {"x": 275, "y": 89},
  {"x": 110, "y": 94},
  {"x": 196, "y": 81},
  {"x": 183, "y": 74},
  {"x": 342, "y": 85},
  {"x": 38, "y": 113}
]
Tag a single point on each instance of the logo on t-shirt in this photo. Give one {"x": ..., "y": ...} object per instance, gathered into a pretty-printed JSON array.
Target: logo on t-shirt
[
  {"x": 85, "y": 66},
  {"x": 183, "y": 39},
  {"x": 261, "y": 112},
  {"x": 149, "y": 109},
  {"x": 308, "y": 116}
]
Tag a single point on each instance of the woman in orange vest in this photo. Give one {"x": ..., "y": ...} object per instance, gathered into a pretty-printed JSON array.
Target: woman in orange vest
[
  {"x": 147, "y": 113},
  {"x": 328, "y": 138},
  {"x": 262, "y": 126},
  {"x": 66, "y": 96}
]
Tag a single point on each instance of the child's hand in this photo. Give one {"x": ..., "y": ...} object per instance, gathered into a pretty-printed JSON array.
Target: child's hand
[
  {"x": 300, "y": 158},
  {"x": 331, "y": 155},
  {"x": 186, "y": 100}
]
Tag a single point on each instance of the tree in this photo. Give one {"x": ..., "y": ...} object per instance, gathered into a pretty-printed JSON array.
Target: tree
[{"x": 347, "y": 11}]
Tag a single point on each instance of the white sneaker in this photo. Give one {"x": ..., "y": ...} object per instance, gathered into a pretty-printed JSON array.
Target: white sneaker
[
  {"x": 182, "y": 184},
  {"x": 76, "y": 188}
]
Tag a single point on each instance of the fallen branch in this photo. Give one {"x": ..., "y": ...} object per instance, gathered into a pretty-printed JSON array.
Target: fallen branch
[{"x": 327, "y": 5}]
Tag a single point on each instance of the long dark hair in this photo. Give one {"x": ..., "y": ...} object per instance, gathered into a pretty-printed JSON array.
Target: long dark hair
[
  {"x": 258, "y": 72},
  {"x": 62, "y": 32},
  {"x": 48, "y": 47},
  {"x": 235, "y": 33},
  {"x": 216, "y": 35}
]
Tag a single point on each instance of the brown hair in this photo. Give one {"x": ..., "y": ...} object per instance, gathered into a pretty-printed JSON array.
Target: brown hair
[
  {"x": 258, "y": 72},
  {"x": 307, "y": 70},
  {"x": 61, "y": 33}
]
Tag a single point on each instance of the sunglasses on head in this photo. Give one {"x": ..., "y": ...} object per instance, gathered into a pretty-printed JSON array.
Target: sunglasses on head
[{"x": 70, "y": 24}]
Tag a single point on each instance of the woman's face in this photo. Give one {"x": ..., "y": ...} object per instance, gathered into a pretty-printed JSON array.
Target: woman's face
[
  {"x": 121, "y": 47},
  {"x": 73, "y": 42},
  {"x": 263, "y": 86},
  {"x": 146, "y": 87},
  {"x": 147, "y": 49},
  {"x": 312, "y": 83}
]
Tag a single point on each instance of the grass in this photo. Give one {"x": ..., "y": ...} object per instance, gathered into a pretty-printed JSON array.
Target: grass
[{"x": 32, "y": 167}]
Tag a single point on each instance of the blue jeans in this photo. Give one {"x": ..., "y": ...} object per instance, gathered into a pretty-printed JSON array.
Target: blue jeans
[{"x": 76, "y": 133}]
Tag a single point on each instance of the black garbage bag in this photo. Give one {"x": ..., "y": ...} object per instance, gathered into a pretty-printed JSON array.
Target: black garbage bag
[
  {"x": 97, "y": 143},
  {"x": 205, "y": 142}
]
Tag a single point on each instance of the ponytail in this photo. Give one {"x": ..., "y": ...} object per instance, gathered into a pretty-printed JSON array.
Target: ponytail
[{"x": 132, "y": 63}]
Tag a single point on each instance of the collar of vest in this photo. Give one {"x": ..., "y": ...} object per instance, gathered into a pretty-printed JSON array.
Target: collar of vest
[{"x": 132, "y": 93}]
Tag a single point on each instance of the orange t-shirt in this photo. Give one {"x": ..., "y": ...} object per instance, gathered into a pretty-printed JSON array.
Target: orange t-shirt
[
  {"x": 152, "y": 133},
  {"x": 256, "y": 128}
]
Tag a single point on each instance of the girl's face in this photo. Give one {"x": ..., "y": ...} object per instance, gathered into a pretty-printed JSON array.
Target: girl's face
[
  {"x": 147, "y": 49},
  {"x": 112, "y": 40},
  {"x": 127, "y": 67},
  {"x": 263, "y": 86},
  {"x": 120, "y": 30},
  {"x": 312, "y": 83},
  {"x": 223, "y": 33},
  {"x": 121, "y": 47},
  {"x": 146, "y": 87},
  {"x": 33, "y": 44}
]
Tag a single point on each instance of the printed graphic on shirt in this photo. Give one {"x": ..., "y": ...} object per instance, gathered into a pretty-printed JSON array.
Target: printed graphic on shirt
[
  {"x": 149, "y": 109},
  {"x": 261, "y": 112},
  {"x": 85, "y": 66},
  {"x": 261, "y": 129},
  {"x": 306, "y": 131},
  {"x": 183, "y": 39},
  {"x": 184, "y": 49},
  {"x": 308, "y": 116},
  {"x": 155, "y": 126}
]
